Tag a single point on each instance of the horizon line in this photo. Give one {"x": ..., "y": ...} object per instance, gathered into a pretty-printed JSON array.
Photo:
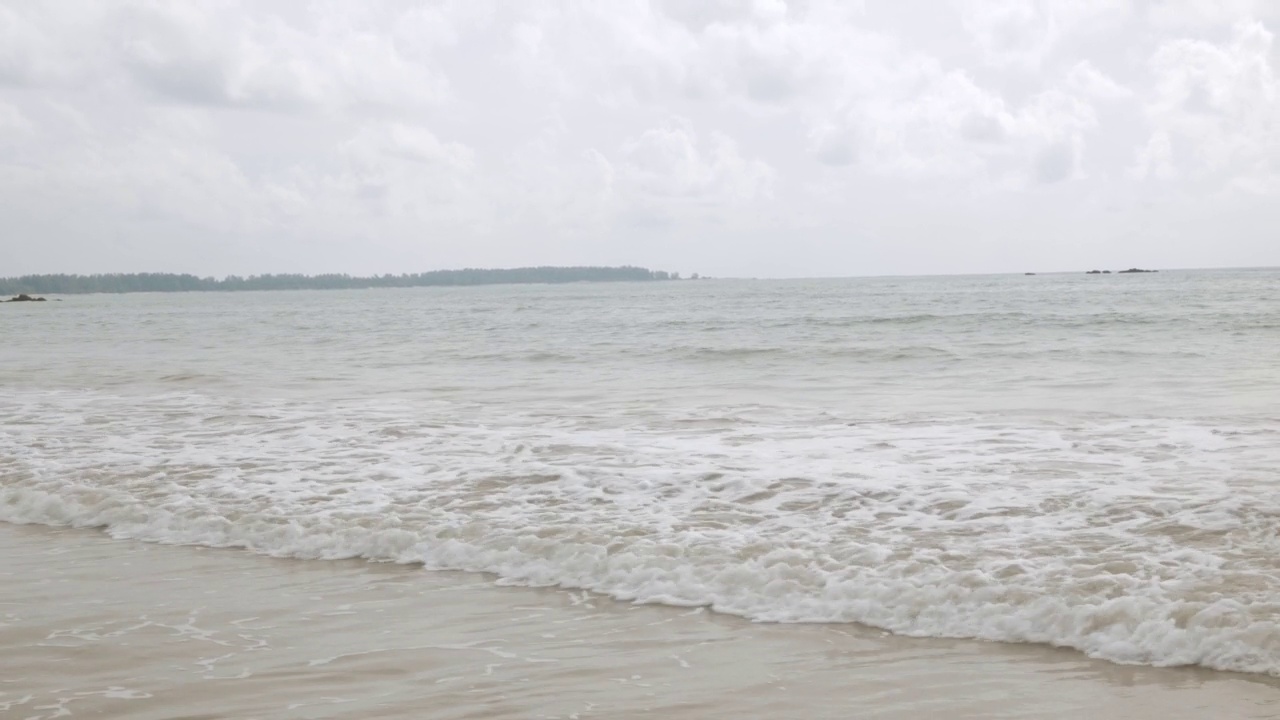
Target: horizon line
[{"x": 680, "y": 274}]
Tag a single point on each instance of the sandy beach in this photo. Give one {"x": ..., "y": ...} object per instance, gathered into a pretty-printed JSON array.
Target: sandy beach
[{"x": 96, "y": 627}]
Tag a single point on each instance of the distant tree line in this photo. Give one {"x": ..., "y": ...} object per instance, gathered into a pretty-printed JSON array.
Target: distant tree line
[{"x": 170, "y": 282}]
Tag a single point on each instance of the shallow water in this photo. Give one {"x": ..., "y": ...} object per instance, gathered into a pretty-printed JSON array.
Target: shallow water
[{"x": 1083, "y": 461}]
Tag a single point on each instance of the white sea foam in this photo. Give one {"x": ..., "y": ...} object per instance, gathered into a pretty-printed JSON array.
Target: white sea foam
[{"x": 1136, "y": 540}]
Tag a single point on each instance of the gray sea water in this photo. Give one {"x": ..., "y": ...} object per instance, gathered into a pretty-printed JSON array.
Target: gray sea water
[{"x": 1086, "y": 461}]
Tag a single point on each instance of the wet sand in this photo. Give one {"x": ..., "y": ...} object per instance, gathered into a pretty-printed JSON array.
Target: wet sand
[{"x": 95, "y": 627}]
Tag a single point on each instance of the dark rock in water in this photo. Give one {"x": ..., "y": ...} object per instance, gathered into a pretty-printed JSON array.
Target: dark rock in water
[
  {"x": 25, "y": 298},
  {"x": 1094, "y": 272},
  {"x": 1028, "y": 273},
  {"x": 1136, "y": 270}
]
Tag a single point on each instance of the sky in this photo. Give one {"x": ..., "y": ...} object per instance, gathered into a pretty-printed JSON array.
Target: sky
[{"x": 751, "y": 138}]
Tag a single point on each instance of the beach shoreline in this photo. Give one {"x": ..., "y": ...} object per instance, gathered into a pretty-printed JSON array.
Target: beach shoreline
[{"x": 135, "y": 630}]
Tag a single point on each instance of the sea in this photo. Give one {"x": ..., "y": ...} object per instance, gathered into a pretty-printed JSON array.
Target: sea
[{"x": 1085, "y": 464}]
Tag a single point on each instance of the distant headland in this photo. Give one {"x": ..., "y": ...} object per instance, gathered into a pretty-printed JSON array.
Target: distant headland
[{"x": 171, "y": 282}]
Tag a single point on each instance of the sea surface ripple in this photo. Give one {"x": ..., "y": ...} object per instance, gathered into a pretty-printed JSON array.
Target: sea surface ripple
[{"x": 1084, "y": 461}]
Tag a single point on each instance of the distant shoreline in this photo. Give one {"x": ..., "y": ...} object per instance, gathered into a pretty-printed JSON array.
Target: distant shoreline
[{"x": 175, "y": 282}]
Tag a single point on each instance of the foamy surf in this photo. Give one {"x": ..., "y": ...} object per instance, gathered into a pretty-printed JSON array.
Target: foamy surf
[{"x": 1145, "y": 541}]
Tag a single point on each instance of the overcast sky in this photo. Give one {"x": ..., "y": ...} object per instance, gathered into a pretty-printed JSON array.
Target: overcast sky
[{"x": 769, "y": 138}]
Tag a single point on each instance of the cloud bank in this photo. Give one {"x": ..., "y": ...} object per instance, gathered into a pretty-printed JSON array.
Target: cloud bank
[{"x": 754, "y": 138}]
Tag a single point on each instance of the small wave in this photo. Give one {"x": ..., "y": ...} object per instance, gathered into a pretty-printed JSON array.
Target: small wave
[
  {"x": 185, "y": 378},
  {"x": 731, "y": 353},
  {"x": 1137, "y": 541},
  {"x": 828, "y": 352},
  {"x": 540, "y": 356}
]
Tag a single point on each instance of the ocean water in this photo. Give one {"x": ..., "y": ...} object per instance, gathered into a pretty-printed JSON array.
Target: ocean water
[{"x": 1091, "y": 462}]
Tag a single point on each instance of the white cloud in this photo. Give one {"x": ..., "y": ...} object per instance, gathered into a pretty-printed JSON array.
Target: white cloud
[
  {"x": 835, "y": 143},
  {"x": 949, "y": 126},
  {"x": 1222, "y": 101},
  {"x": 386, "y": 181},
  {"x": 12, "y": 121},
  {"x": 227, "y": 54},
  {"x": 245, "y": 136},
  {"x": 38, "y": 44},
  {"x": 1022, "y": 34},
  {"x": 1155, "y": 159},
  {"x": 20, "y": 45},
  {"x": 1085, "y": 79},
  {"x": 141, "y": 194},
  {"x": 668, "y": 162},
  {"x": 1201, "y": 15},
  {"x": 667, "y": 174},
  {"x": 375, "y": 143},
  {"x": 1010, "y": 32}
]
